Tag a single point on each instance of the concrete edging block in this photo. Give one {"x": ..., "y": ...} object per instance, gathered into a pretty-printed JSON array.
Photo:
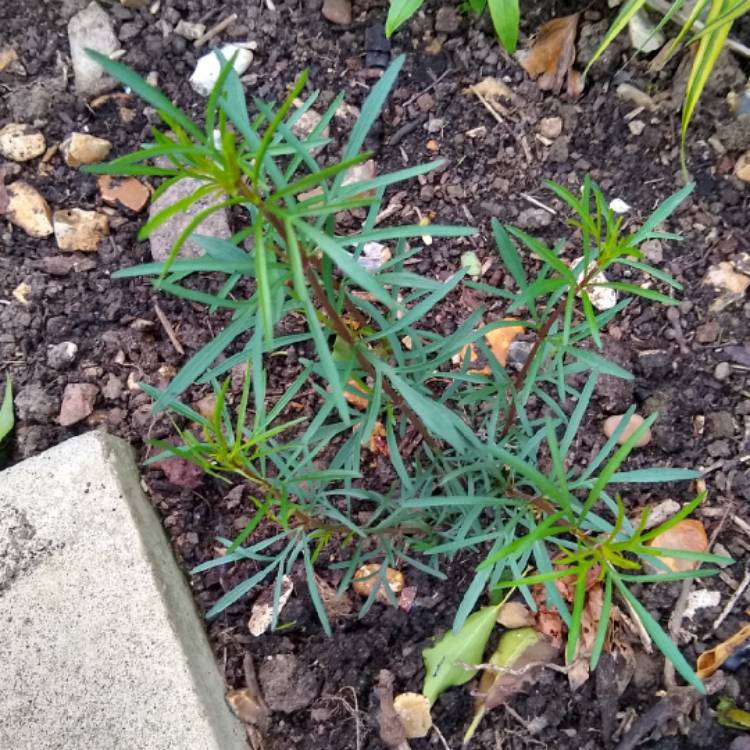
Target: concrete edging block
[{"x": 102, "y": 646}]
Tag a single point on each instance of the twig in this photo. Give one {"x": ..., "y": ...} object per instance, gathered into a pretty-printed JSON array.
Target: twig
[
  {"x": 404, "y": 130},
  {"x": 168, "y": 329},
  {"x": 744, "y": 583},
  {"x": 416, "y": 96},
  {"x": 441, "y": 737},
  {"x": 679, "y": 17},
  {"x": 742, "y": 525},
  {"x": 490, "y": 109},
  {"x": 215, "y": 30},
  {"x": 538, "y": 203}
]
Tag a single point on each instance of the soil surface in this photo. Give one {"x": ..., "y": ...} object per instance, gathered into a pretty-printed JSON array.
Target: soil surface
[{"x": 692, "y": 365}]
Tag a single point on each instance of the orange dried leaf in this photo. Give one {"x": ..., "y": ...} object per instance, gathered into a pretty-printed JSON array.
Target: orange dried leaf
[
  {"x": 500, "y": 339},
  {"x": 689, "y": 535},
  {"x": 552, "y": 54},
  {"x": 709, "y": 661},
  {"x": 377, "y": 442},
  {"x": 368, "y": 576},
  {"x": 355, "y": 396}
]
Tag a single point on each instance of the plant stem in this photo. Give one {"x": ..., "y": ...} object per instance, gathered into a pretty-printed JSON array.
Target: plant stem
[{"x": 338, "y": 323}]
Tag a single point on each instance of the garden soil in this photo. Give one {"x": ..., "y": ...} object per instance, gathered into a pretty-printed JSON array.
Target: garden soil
[{"x": 691, "y": 364}]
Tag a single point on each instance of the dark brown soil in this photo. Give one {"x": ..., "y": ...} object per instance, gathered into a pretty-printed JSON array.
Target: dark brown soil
[{"x": 120, "y": 339}]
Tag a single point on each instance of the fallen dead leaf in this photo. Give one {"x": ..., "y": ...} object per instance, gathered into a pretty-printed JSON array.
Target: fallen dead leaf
[
  {"x": 552, "y": 54},
  {"x": 515, "y": 615},
  {"x": 390, "y": 728},
  {"x": 247, "y": 703},
  {"x": 377, "y": 442},
  {"x": 709, "y": 661},
  {"x": 335, "y": 605},
  {"x": 498, "y": 340},
  {"x": 261, "y": 615},
  {"x": 689, "y": 535},
  {"x": 352, "y": 396}
]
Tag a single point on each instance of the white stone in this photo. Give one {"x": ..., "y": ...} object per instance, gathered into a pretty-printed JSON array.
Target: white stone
[
  {"x": 208, "y": 68},
  {"x": 643, "y": 34},
  {"x": 20, "y": 142},
  {"x": 91, "y": 28},
  {"x": 701, "y": 599},
  {"x": 602, "y": 297},
  {"x": 619, "y": 206},
  {"x": 101, "y": 646}
]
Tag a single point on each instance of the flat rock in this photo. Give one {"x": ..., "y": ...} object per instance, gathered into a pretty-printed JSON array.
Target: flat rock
[
  {"x": 76, "y": 229},
  {"x": 337, "y": 11},
  {"x": 27, "y": 209},
  {"x": 124, "y": 192},
  {"x": 91, "y": 28},
  {"x": 742, "y": 167},
  {"x": 287, "y": 685},
  {"x": 82, "y": 148},
  {"x": 77, "y": 403},
  {"x": 162, "y": 239},
  {"x": 101, "y": 639},
  {"x": 20, "y": 142}
]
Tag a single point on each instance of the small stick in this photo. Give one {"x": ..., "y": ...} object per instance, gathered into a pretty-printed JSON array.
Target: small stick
[
  {"x": 538, "y": 203},
  {"x": 168, "y": 329},
  {"x": 216, "y": 30},
  {"x": 429, "y": 88},
  {"x": 744, "y": 583},
  {"x": 743, "y": 525}
]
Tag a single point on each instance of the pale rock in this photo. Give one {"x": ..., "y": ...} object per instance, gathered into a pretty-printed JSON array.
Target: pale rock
[
  {"x": 77, "y": 403},
  {"x": 7, "y": 57},
  {"x": 636, "y": 127},
  {"x": 337, "y": 11},
  {"x": 413, "y": 711},
  {"x": 701, "y": 599},
  {"x": 20, "y": 142},
  {"x": 190, "y": 30},
  {"x": 360, "y": 173},
  {"x": 374, "y": 256},
  {"x": 22, "y": 292},
  {"x": 551, "y": 127},
  {"x": 659, "y": 513},
  {"x": 164, "y": 236},
  {"x": 643, "y": 34},
  {"x": 613, "y": 422},
  {"x": 28, "y": 210},
  {"x": 724, "y": 277},
  {"x": 81, "y": 148},
  {"x": 208, "y": 67},
  {"x": 76, "y": 229},
  {"x": 619, "y": 206},
  {"x": 91, "y": 28},
  {"x": 602, "y": 297},
  {"x": 635, "y": 96},
  {"x": 742, "y": 167},
  {"x": 307, "y": 122}
]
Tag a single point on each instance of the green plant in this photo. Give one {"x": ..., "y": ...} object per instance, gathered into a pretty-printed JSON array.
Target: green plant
[
  {"x": 464, "y": 448},
  {"x": 6, "y": 411},
  {"x": 505, "y": 16},
  {"x": 707, "y": 42}
]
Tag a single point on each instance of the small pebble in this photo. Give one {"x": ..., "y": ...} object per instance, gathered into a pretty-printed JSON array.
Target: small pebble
[
  {"x": 722, "y": 371},
  {"x": 551, "y": 127},
  {"x": 337, "y": 11},
  {"x": 611, "y": 424}
]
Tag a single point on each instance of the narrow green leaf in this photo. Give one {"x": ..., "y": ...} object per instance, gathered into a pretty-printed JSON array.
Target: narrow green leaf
[
  {"x": 506, "y": 19},
  {"x": 6, "y": 410}
]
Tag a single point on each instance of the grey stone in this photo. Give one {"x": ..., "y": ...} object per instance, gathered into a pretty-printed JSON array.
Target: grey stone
[
  {"x": 722, "y": 371},
  {"x": 101, "y": 647},
  {"x": 447, "y": 20},
  {"x": 91, "y": 28},
  {"x": 287, "y": 686},
  {"x": 60, "y": 356},
  {"x": 162, "y": 239},
  {"x": 720, "y": 424},
  {"x": 33, "y": 403},
  {"x": 534, "y": 218}
]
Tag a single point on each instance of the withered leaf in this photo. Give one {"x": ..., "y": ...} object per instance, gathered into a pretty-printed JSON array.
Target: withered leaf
[
  {"x": 688, "y": 535},
  {"x": 552, "y": 54},
  {"x": 709, "y": 661}
]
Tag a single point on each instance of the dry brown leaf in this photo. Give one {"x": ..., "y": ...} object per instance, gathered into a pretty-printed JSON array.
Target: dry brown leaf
[
  {"x": 352, "y": 395},
  {"x": 709, "y": 661},
  {"x": 261, "y": 615},
  {"x": 515, "y": 615},
  {"x": 500, "y": 339},
  {"x": 490, "y": 88},
  {"x": 689, "y": 535},
  {"x": 377, "y": 442},
  {"x": 552, "y": 54},
  {"x": 248, "y": 703},
  {"x": 335, "y": 605}
]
